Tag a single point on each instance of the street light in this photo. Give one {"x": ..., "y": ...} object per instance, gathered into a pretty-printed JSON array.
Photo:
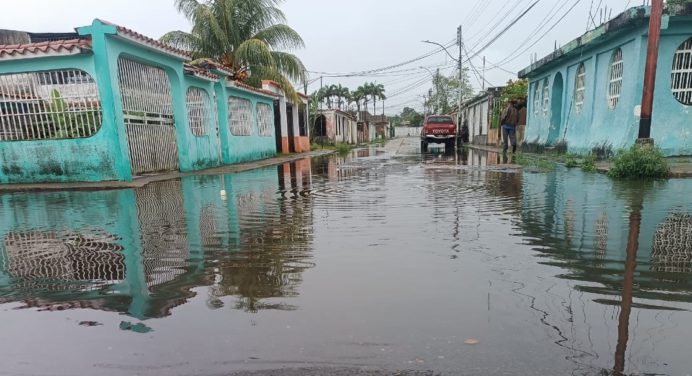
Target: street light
[{"x": 443, "y": 47}]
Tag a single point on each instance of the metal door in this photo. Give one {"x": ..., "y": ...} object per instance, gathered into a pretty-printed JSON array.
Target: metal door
[{"x": 148, "y": 111}]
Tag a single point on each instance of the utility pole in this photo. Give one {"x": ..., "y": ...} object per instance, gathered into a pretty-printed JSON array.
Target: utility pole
[
  {"x": 483, "y": 76},
  {"x": 650, "y": 73},
  {"x": 460, "y": 42},
  {"x": 437, "y": 91}
]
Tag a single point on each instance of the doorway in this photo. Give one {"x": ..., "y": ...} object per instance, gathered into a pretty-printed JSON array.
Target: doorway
[{"x": 556, "y": 110}]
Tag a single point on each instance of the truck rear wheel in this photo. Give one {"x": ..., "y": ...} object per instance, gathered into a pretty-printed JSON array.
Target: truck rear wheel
[
  {"x": 450, "y": 145},
  {"x": 423, "y": 146}
]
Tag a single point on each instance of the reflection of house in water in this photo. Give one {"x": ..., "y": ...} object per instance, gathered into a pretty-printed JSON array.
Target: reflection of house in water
[
  {"x": 142, "y": 251},
  {"x": 672, "y": 249},
  {"x": 586, "y": 232}
]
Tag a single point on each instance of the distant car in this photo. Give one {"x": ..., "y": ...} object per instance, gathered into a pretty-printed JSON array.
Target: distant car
[{"x": 438, "y": 129}]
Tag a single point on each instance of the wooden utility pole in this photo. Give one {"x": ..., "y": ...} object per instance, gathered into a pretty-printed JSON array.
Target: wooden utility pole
[{"x": 650, "y": 72}]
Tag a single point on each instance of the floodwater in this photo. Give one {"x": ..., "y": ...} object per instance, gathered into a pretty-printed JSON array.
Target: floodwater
[{"x": 382, "y": 261}]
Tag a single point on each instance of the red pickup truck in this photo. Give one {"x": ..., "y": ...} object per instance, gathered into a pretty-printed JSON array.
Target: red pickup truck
[{"x": 438, "y": 129}]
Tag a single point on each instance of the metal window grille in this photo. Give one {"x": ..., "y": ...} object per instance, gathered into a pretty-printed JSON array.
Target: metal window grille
[
  {"x": 615, "y": 82},
  {"x": 240, "y": 117},
  {"x": 265, "y": 119},
  {"x": 201, "y": 111},
  {"x": 681, "y": 74},
  {"x": 148, "y": 112},
  {"x": 56, "y": 104},
  {"x": 546, "y": 97},
  {"x": 537, "y": 99},
  {"x": 579, "y": 88}
]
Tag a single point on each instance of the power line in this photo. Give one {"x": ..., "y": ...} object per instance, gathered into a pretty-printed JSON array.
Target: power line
[
  {"x": 543, "y": 23},
  {"x": 546, "y": 32},
  {"x": 514, "y": 21},
  {"x": 369, "y": 72}
]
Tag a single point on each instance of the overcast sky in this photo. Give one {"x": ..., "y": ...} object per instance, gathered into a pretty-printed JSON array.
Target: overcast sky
[{"x": 361, "y": 35}]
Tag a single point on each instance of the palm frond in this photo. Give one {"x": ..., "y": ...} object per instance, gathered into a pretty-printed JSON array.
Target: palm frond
[
  {"x": 179, "y": 39},
  {"x": 187, "y": 7},
  {"x": 254, "y": 53},
  {"x": 289, "y": 65},
  {"x": 280, "y": 36}
]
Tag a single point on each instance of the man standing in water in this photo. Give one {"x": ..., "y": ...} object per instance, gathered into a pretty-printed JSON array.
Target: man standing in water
[{"x": 509, "y": 118}]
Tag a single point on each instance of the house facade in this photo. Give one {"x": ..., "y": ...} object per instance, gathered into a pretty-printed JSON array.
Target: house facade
[
  {"x": 335, "y": 127},
  {"x": 107, "y": 103},
  {"x": 587, "y": 94}
]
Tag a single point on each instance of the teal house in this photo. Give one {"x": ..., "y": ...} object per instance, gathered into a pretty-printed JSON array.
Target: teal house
[
  {"x": 107, "y": 103},
  {"x": 587, "y": 94}
]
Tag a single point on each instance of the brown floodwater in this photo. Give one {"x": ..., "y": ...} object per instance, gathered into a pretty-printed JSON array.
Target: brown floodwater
[{"x": 384, "y": 259}]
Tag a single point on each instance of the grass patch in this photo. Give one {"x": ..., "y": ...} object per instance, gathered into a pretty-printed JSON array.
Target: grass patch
[
  {"x": 343, "y": 149},
  {"x": 534, "y": 162},
  {"x": 587, "y": 163},
  {"x": 639, "y": 162}
]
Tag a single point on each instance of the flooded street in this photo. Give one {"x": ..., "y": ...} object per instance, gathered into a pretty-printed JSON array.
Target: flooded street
[{"x": 384, "y": 260}]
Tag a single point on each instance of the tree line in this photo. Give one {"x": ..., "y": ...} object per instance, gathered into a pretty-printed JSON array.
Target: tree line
[{"x": 342, "y": 98}]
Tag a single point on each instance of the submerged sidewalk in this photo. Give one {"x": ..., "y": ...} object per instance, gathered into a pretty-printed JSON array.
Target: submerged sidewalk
[
  {"x": 680, "y": 167},
  {"x": 140, "y": 181}
]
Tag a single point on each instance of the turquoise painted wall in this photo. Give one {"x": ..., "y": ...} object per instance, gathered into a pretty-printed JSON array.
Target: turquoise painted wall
[
  {"x": 203, "y": 151},
  {"x": 598, "y": 125},
  {"x": 95, "y": 158},
  {"x": 253, "y": 147},
  {"x": 106, "y": 155}
]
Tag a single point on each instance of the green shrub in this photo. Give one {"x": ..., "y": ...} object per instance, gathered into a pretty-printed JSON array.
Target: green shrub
[
  {"x": 588, "y": 164},
  {"x": 639, "y": 163},
  {"x": 343, "y": 149},
  {"x": 571, "y": 162}
]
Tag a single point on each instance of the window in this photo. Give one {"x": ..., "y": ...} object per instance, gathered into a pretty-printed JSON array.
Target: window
[
  {"x": 681, "y": 74},
  {"x": 546, "y": 97},
  {"x": 240, "y": 116},
  {"x": 56, "y": 104},
  {"x": 537, "y": 98},
  {"x": 579, "y": 88},
  {"x": 201, "y": 112},
  {"x": 264, "y": 119},
  {"x": 615, "y": 82}
]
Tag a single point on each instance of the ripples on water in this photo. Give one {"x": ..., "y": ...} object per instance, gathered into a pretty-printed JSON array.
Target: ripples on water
[{"x": 540, "y": 265}]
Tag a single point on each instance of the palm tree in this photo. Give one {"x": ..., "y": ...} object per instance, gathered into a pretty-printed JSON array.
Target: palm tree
[
  {"x": 375, "y": 91},
  {"x": 243, "y": 36},
  {"x": 357, "y": 96},
  {"x": 342, "y": 93}
]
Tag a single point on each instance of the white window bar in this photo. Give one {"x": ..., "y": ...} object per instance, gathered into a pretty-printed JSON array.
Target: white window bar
[
  {"x": 546, "y": 97},
  {"x": 201, "y": 112},
  {"x": 615, "y": 82},
  {"x": 265, "y": 120},
  {"x": 145, "y": 92},
  {"x": 56, "y": 104},
  {"x": 681, "y": 74},
  {"x": 240, "y": 116},
  {"x": 579, "y": 88},
  {"x": 537, "y": 98}
]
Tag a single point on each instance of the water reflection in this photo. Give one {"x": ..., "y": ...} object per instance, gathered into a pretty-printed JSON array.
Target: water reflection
[{"x": 143, "y": 251}]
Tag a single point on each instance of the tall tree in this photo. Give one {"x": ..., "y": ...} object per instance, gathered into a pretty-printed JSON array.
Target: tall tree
[
  {"x": 375, "y": 91},
  {"x": 243, "y": 36}
]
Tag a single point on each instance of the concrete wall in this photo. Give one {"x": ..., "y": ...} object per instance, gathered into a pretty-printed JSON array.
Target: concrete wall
[
  {"x": 106, "y": 155},
  {"x": 94, "y": 158},
  {"x": 598, "y": 126},
  {"x": 254, "y": 146}
]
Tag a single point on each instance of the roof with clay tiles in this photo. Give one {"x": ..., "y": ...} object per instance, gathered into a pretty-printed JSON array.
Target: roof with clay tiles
[
  {"x": 58, "y": 47},
  {"x": 151, "y": 42}
]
